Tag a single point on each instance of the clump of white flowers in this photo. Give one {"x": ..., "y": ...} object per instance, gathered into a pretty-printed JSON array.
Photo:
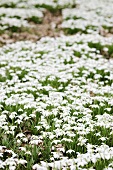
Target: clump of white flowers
[
  {"x": 57, "y": 103},
  {"x": 56, "y": 97},
  {"x": 18, "y": 17},
  {"x": 88, "y": 16},
  {"x": 48, "y": 3}
]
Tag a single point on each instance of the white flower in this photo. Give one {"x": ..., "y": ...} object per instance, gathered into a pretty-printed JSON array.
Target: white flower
[
  {"x": 20, "y": 135},
  {"x": 70, "y": 151},
  {"x": 22, "y": 161},
  {"x": 36, "y": 142},
  {"x": 28, "y": 153},
  {"x": 12, "y": 115},
  {"x": 38, "y": 167},
  {"x": 22, "y": 149},
  {"x": 12, "y": 167},
  {"x": 103, "y": 138}
]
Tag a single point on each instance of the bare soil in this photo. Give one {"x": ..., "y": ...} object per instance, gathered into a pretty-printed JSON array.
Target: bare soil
[{"x": 50, "y": 26}]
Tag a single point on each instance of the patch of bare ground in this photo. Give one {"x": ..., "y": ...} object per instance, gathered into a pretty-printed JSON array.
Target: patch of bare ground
[
  {"x": 50, "y": 26},
  {"x": 105, "y": 33}
]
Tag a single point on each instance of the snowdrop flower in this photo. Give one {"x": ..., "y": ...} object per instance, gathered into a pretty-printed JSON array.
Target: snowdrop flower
[
  {"x": 35, "y": 142},
  {"x": 12, "y": 115},
  {"x": 82, "y": 141},
  {"x": 28, "y": 153},
  {"x": 2, "y": 164},
  {"x": 38, "y": 167},
  {"x": 22, "y": 161},
  {"x": 22, "y": 149},
  {"x": 12, "y": 167},
  {"x": 70, "y": 151}
]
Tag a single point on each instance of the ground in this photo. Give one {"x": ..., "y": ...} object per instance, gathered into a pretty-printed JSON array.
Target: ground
[{"x": 50, "y": 26}]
